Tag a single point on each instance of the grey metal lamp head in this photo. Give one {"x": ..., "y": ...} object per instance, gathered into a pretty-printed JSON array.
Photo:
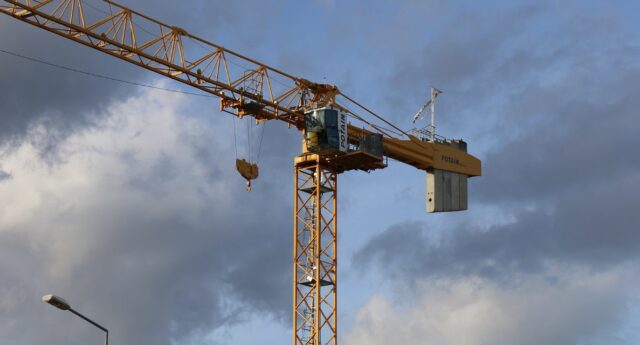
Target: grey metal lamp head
[{"x": 56, "y": 301}]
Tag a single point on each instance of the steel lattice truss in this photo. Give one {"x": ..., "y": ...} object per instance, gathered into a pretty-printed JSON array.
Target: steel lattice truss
[
  {"x": 315, "y": 255},
  {"x": 245, "y": 86}
]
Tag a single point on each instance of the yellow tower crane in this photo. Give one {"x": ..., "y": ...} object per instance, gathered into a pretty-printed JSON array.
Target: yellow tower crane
[{"x": 335, "y": 138}]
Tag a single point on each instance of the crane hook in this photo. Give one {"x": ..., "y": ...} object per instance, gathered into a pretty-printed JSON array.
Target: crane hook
[{"x": 247, "y": 170}]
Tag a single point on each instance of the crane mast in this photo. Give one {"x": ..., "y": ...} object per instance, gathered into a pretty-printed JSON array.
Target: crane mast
[
  {"x": 247, "y": 87},
  {"x": 315, "y": 249}
]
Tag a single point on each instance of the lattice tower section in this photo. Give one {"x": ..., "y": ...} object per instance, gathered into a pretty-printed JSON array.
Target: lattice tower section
[{"x": 315, "y": 255}]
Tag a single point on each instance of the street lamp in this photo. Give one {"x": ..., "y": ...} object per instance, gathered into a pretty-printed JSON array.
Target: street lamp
[{"x": 61, "y": 304}]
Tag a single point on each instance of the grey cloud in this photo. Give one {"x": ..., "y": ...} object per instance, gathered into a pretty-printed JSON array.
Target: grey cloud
[
  {"x": 162, "y": 251},
  {"x": 577, "y": 130},
  {"x": 460, "y": 58},
  {"x": 34, "y": 94},
  {"x": 57, "y": 99},
  {"x": 174, "y": 274},
  {"x": 571, "y": 307},
  {"x": 157, "y": 276},
  {"x": 583, "y": 149},
  {"x": 561, "y": 161},
  {"x": 500, "y": 69},
  {"x": 595, "y": 227},
  {"x": 555, "y": 108},
  {"x": 4, "y": 175}
]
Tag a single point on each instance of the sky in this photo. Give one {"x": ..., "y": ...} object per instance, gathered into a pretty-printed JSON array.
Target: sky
[{"x": 125, "y": 201}]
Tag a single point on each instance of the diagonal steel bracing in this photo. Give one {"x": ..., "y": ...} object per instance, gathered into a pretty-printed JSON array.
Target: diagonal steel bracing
[{"x": 315, "y": 254}]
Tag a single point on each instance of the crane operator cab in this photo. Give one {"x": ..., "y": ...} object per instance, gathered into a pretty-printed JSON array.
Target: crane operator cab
[{"x": 326, "y": 133}]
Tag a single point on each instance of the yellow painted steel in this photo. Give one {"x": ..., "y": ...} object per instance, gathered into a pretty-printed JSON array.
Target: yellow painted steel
[
  {"x": 425, "y": 154},
  {"x": 315, "y": 249},
  {"x": 265, "y": 93},
  {"x": 247, "y": 91},
  {"x": 118, "y": 30}
]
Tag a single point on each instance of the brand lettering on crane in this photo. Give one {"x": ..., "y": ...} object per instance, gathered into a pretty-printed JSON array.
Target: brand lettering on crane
[
  {"x": 451, "y": 160},
  {"x": 342, "y": 132}
]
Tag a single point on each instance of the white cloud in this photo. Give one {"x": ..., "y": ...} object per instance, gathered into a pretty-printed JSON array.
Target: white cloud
[
  {"x": 568, "y": 307},
  {"x": 96, "y": 176},
  {"x": 139, "y": 220}
]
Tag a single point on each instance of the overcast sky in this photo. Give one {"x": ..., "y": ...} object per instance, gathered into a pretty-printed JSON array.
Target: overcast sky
[{"x": 125, "y": 200}]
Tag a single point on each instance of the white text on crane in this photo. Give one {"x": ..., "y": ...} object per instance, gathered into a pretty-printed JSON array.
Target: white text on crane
[{"x": 342, "y": 132}]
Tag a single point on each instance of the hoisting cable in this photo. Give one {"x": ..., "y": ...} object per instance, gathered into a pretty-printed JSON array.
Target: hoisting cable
[
  {"x": 380, "y": 118},
  {"x": 249, "y": 139},
  {"x": 374, "y": 114},
  {"x": 260, "y": 144},
  {"x": 235, "y": 138},
  {"x": 249, "y": 171},
  {"x": 380, "y": 129}
]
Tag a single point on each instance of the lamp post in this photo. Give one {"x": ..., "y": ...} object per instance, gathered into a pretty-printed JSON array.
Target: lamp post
[{"x": 61, "y": 304}]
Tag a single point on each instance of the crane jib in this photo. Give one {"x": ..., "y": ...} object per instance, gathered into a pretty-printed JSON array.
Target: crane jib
[{"x": 245, "y": 92}]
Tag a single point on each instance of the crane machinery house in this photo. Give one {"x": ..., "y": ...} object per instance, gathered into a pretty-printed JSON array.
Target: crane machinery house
[{"x": 326, "y": 133}]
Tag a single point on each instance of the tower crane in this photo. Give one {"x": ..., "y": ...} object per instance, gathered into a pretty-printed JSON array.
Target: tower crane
[{"x": 335, "y": 137}]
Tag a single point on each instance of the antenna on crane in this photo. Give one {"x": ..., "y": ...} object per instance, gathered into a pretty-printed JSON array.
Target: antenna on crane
[{"x": 431, "y": 103}]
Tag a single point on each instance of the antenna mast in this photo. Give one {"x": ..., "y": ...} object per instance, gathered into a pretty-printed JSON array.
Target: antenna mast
[
  {"x": 434, "y": 93},
  {"x": 431, "y": 129}
]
